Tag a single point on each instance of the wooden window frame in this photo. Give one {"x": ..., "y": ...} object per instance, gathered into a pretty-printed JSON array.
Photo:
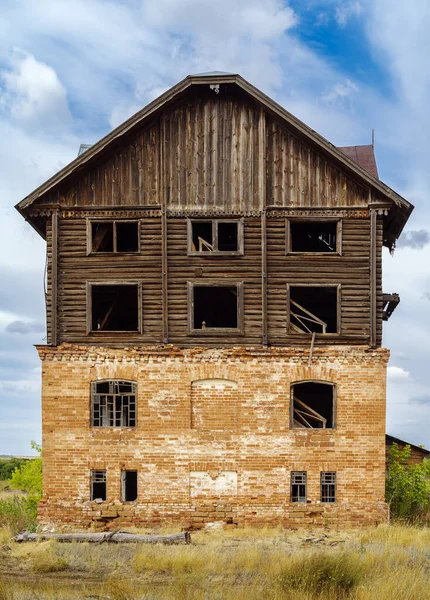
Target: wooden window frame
[
  {"x": 288, "y": 238},
  {"x": 92, "y": 477},
  {"x": 322, "y": 473},
  {"x": 338, "y": 309},
  {"x": 93, "y": 392},
  {"x": 215, "y": 331},
  {"x": 89, "y": 308},
  {"x": 90, "y": 222},
  {"x": 215, "y": 222},
  {"x": 305, "y": 473},
  {"x": 318, "y": 429}
]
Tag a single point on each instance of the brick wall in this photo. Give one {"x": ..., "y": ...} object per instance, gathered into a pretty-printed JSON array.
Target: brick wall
[{"x": 213, "y": 439}]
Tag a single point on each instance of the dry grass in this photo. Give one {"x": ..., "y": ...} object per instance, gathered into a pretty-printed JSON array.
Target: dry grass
[{"x": 253, "y": 564}]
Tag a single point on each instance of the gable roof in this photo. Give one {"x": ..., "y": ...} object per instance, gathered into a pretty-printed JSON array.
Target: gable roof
[{"x": 340, "y": 157}]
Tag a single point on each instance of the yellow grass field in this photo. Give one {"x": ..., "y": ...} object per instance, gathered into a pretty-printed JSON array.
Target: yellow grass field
[{"x": 380, "y": 563}]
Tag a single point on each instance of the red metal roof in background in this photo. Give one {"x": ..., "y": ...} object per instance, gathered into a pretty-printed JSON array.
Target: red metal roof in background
[{"x": 364, "y": 156}]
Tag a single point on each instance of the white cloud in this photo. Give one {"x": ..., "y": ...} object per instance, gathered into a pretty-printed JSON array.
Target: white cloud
[
  {"x": 397, "y": 373},
  {"x": 346, "y": 10},
  {"x": 33, "y": 94},
  {"x": 340, "y": 93}
]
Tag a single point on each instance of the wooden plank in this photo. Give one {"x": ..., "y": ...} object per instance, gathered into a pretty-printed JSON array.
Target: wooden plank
[
  {"x": 54, "y": 275},
  {"x": 373, "y": 267},
  {"x": 164, "y": 199}
]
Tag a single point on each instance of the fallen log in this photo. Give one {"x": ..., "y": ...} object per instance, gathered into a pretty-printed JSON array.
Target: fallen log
[{"x": 98, "y": 538}]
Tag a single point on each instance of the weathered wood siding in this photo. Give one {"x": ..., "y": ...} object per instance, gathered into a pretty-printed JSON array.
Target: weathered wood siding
[
  {"x": 76, "y": 268},
  {"x": 222, "y": 156},
  {"x": 183, "y": 268},
  {"x": 350, "y": 270}
]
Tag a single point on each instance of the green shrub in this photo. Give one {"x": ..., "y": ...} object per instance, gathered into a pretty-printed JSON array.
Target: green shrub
[
  {"x": 334, "y": 573},
  {"x": 8, "y": 466},
  {"x": 17, "y": 514},
  {"x": 408, "y": 484}
]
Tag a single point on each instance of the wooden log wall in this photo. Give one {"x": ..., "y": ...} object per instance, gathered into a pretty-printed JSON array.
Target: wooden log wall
[
  {"x": 351, "y": 270},
  {"x": 76, "y": 268}
]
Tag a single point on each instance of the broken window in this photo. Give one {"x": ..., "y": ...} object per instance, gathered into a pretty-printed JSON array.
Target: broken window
[
  {"x": 128, "y": 486},
  {"x": 313, "y": 309},
  {"x": 298, "y": 486},
  {"x": 114, "y": 236},
  {"x": 313, "y": 236},
  {"x": 313, "y": 405},
  {"x": 98, "y": 485},
  {"x": 215, "y": 307},
  {"x": 114, "y": 307},
  {"x": 215, "y": 236},
  {"x": 328, "y": 486},
  {"x": 113, "y": 404}
]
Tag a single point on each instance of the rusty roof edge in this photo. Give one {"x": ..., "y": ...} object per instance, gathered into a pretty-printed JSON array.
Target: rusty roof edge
[{"x": 181, "y": 86}]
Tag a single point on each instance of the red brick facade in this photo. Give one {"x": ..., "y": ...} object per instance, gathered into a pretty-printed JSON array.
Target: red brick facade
[{"x": 213, "y": 438}]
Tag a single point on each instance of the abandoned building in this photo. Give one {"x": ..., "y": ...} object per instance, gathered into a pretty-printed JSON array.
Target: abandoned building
[{"x": 214, "y": 318}]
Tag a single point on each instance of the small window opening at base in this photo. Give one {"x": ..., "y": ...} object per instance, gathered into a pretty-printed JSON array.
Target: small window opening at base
[
  {"x": 298, "y": 486},
  {"x": 127, "y": 239},
  {"x": 215, "y": 307},
  {"x": 114, "y": 308},
  {"x": 328, "y": 486},
  {"x": 128, "y": 486},
  {"x": 227, "y": 237},
  {"x": 312, "y": 405},
  {"x": 98, "y": 485},
  {"x": 313, "y": 236},
  {"x": 202, "y": 236},
  {"x": 313, "y": 309}
]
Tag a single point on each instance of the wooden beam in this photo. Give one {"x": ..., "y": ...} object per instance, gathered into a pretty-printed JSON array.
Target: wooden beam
[
  {"x": 373, "y": 265},
  {"x": 263, "y": 201},
  {"x": 54, "y": 276},
  {"x": 163, "y": 191}
]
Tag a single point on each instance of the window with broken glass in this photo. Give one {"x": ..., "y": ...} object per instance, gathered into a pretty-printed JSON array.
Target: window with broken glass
[
  {"x": 98, "y": 485},
  {"x": 215, "y": 237},
  {"x": 128, "y": 486},
  {"x": 313, "y": 405},
  {"x": 313, "y": 309},
  {"x": 298, "y": 486},
  {"x": 319, "y": 236},
  {"x": 113, "y": 403},
  {"x": 113, "y": 236},
  {"x": 328, "y": 486}
]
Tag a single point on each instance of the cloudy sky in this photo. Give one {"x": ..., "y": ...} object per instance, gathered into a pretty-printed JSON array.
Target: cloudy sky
[{"x": 71, "y": 70}]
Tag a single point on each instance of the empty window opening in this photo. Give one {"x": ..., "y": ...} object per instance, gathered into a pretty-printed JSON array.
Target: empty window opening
[
  {"x": 215, "y": 307},
  {"x": 114, "y": 308},
  {"x": 202, "y": 236},
  {"x": 215, "y": 236},
  {"x": 227, "y": 237},
  {"x": 313, "y": 309},
  {"x": 312, "y": 405},
  {"x": 115, "y": 236},
  {"x": 102, "y": 237},
  {"x": 328, "y": 487},
  {"x": 298, "y": 486},
  {"x": 113, "y": 404},
  {"x": 98, "y": 485},
  {"x": 313, "y": 236},
  {"x": 128, "y": 486}
]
